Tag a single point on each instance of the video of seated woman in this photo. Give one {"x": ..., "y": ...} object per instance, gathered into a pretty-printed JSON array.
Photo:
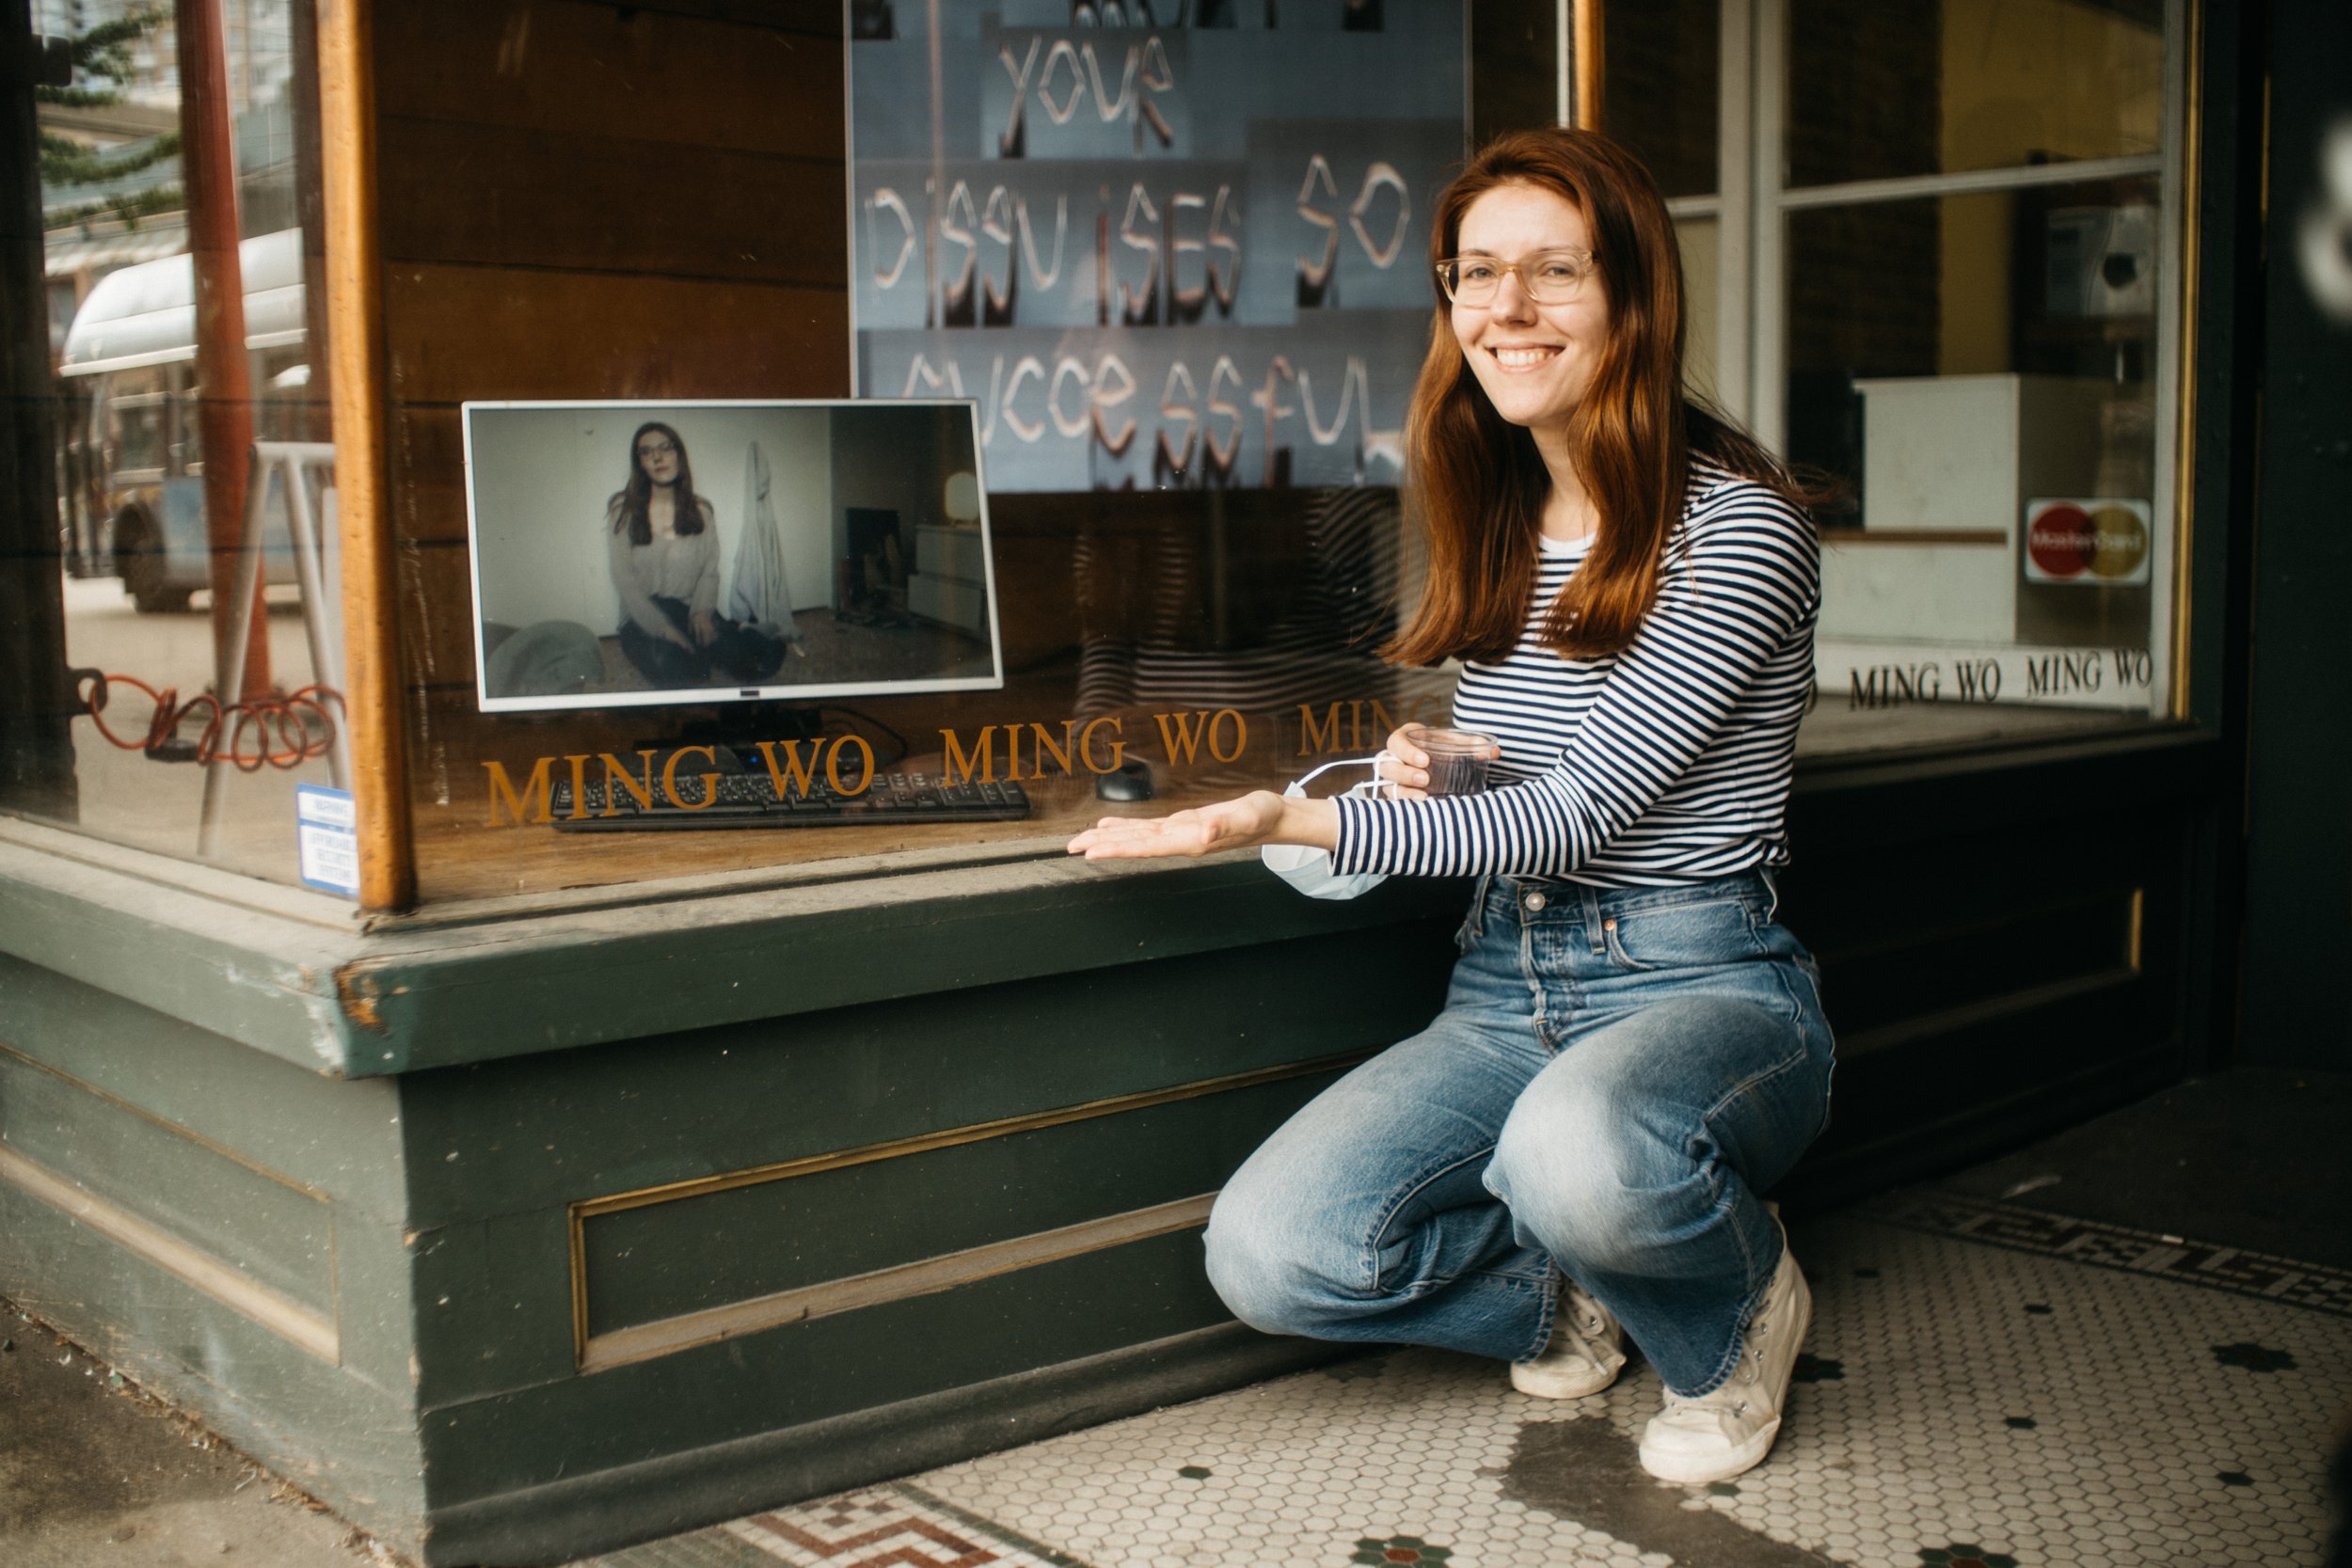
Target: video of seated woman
[{"x": 642, "y": 553}]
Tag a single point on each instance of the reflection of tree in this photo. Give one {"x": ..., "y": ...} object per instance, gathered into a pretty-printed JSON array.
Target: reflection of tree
[
  {"x": 64, "y": 162},
  {"x": 128, "y": 207},
  {"x": 103, "y": 54},
  {"x": 1246, "y": 609}
]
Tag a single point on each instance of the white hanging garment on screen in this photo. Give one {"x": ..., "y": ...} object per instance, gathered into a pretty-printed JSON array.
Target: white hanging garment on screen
[{"x": 762, "y": 596}]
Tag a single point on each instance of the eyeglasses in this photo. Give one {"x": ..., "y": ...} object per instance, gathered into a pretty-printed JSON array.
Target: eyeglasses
[
  {"x": 656, "y": 449},
  {"x": 1547, "y": 277}
]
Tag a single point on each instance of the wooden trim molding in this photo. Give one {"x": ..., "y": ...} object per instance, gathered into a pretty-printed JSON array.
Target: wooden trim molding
[
  {"x": 972, "y": 1133},
  {"x": 116, "y": 1102},
  {"x": 1591, "y": 27},
  {"x": 924, "y": 1277},
  {"x": 592, "y": 1353},
  {"x": 2185, "y": 376},
  {"x": 1987, "y": 536},
  {"x": 354, "y": 313},
  {"x": 288, "y": 1319}
]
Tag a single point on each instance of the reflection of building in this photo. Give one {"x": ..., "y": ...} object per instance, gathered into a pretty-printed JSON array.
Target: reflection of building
[
  {"x": 114, "y": 197},
  {"x": 97, "y": 222},
  {"x": 153, "y": 77}
]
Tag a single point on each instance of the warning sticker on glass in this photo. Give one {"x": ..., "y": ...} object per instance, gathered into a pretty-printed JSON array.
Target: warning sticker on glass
[{"x": 326, "y": 829}]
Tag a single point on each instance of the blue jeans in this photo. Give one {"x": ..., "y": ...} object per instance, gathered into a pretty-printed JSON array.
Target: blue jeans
[{"x": 1616, "y": 1076}]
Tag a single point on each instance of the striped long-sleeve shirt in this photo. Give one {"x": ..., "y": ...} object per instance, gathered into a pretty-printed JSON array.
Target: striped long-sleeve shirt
[{"x": 1667, "y": 763}]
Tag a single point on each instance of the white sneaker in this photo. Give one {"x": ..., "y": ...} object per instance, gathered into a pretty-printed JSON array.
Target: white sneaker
[
  {"x": 1584, "y": 1355},
  {"x": 1714, "y": 1436}
]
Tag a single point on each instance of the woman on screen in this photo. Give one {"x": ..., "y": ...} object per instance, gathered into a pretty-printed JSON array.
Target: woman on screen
[
  {"x": 663, "y": 542},
  {"x": 1632, "y": 1049}
]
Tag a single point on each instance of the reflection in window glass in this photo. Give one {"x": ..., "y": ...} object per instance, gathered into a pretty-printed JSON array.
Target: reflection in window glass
[
  {"x": 1981, "y": 369},
  {"x": 1701, "y": 268},
  {"x": 1188, "y": 305},
  {"x": 1879, "y": 91},
  {"x": 152, "y": 748},
  {"x": 1660, "y": 65}
]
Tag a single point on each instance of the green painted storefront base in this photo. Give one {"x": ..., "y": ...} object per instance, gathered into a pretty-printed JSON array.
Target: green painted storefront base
[
  {"x": 724, "y": 1480},
  {"x": 520, "y": 1236},
  {"x": 532, "y": 1231}
]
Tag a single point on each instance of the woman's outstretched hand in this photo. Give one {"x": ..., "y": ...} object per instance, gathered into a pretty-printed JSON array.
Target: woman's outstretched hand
[{"x": 1258, "y": 817}]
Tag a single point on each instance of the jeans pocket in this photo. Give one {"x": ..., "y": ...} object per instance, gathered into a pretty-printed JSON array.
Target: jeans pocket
[{"x": 1680, "y": 936}]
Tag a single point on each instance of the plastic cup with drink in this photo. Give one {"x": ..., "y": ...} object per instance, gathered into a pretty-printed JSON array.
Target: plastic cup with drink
[{"x": 1458, "y": 759}]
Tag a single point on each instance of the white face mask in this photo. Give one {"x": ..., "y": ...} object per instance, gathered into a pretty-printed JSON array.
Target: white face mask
[{"x": 1310, "y": 870}]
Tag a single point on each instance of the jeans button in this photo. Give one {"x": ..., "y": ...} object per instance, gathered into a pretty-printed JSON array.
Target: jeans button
[{"x": 1535, "y": 902}]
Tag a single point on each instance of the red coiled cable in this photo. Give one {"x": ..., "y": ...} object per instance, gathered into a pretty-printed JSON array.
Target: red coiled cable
[{"x": 278, "y": 730}]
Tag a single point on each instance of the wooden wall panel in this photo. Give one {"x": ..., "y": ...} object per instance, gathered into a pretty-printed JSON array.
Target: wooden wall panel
[
  {"x": 456, "y": 333},
  {"x": 752, "y": 77},
  {"x": 454, "y": 191},
  {"x": 436, "y": 594},
  {"x": 428, "y": 462}
]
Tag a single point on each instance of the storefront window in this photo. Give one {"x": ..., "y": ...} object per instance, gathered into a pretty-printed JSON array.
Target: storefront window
[
  {"x": 1166, "y": 261},
  {"x": 1970, "y": 313},
  {"x": 1662, "y": 90},
  {"x": 1170, "y": 261},
  {"x": 1885, "y": 92},
  {"x": 1663, "y": 96},
  {"x": 1932, "y": 253},
  {"x": 176, "y": 553}
]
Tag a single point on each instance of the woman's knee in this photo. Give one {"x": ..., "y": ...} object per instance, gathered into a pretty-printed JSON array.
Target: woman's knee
[
  {"x": 1255, "y": 1269},
  {"x": 1274, "y": 1270},
  {"x": 1584, "y": 1174}
]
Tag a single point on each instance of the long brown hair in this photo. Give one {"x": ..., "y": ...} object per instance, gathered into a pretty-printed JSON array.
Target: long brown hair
[
  {"x": 631, "y": 507},
  {"x": 1478, "y": 483}
]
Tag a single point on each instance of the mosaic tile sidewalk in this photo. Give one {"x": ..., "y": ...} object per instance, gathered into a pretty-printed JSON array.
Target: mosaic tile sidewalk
[{"x": 1983, "y": 1385}]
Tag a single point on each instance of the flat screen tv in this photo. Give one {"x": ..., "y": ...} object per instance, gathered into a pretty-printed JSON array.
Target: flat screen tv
[{"x": 639, "y": 554}]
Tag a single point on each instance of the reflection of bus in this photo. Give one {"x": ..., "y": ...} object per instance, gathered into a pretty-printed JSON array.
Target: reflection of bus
[{"x": 131, "y": 443}]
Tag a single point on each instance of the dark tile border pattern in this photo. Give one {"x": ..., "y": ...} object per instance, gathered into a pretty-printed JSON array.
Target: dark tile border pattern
[
  {"x": 988, "y": 1527},
  {"x": 2204, "y": 1264}
]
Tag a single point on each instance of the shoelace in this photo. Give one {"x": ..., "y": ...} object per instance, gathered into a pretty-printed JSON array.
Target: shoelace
[
  {"x": 1750, "y": 1371},
  {"x": 1582, "y": 1318}
]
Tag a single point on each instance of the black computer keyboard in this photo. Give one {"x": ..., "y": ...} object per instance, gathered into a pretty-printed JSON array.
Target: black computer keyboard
[{"x": 750, "y": 800}]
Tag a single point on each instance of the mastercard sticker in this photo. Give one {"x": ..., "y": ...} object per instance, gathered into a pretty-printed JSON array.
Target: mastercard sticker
[{"x": 2095, "y": 542}]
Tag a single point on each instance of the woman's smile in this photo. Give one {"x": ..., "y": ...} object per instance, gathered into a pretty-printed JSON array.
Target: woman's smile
[{"x": 1518, "y": 356}]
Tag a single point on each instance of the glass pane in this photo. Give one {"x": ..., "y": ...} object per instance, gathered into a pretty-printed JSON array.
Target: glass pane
[
  {"x": 180, "y": 162},
  {"x": 1928, "y": 86},
  {"x": 1980, "y": 370},
  {"x": 1661, "y": 67},
  {"x": 1513, "y": 64},
  {"x": 1172, "y": 256},
  {"x": 1701, "y": 269}
]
